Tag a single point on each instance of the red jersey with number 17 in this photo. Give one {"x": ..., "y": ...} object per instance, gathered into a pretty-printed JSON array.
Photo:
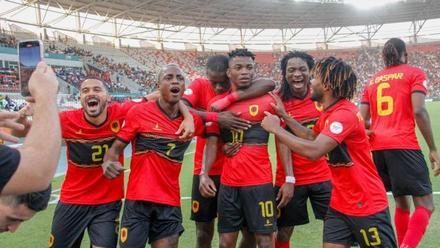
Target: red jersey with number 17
[
  {"x": 306, "y": 171},
  {"x": 87, "y": 144},
  {"x": 157, "y": 153},
  {"x": 199, "y": 93},
  {"x": 357, "y": 187},
  {"x": 389, "y": 96}
]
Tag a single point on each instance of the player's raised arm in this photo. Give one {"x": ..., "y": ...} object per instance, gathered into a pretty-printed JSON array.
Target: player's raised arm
[
  {"x": 296, "y": 127},
  {"x": 40, "y": 152},
  {"x": 258, "y": 88}
]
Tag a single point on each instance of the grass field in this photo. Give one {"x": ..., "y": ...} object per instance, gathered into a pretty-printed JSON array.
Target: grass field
[{"x": 35, "y": 233}]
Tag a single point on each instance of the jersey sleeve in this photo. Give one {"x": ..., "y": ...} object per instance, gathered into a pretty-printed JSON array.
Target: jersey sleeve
[
  {"x": 130, "y": 126},
  {"x": 191, "y": 93},
  {"x": 339, "y": 125},
  {"x": 9, "y": 160},
  {"x": 129, "y": 104},
  {"x": 418, "y": 83}
]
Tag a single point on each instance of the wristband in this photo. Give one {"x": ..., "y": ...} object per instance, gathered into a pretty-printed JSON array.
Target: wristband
[
  {"x": 290, "y": 179},
  {"x": 211, "y": 117}
]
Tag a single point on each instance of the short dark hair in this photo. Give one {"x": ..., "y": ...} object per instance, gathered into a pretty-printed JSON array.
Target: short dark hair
[
  {"x": 241, "y": 52},
  {"x": 286, "y": 92},
  {"x": 94, "y": 78},
  {"x": 337, "y": 75},
  {"x": 218, "y": 63},
  {"x": 36, "y": 201},
  {"x": 392, "y": 51}
]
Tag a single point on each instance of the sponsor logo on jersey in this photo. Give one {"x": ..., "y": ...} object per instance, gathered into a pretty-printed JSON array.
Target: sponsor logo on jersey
[{"x": 336, "y": 127}]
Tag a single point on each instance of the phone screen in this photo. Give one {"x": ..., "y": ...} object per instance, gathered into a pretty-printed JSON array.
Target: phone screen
[{"x": 29, "y": 56}]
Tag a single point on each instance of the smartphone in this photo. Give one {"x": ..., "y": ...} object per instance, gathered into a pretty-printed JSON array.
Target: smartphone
[{"x": 30, "y": 53}]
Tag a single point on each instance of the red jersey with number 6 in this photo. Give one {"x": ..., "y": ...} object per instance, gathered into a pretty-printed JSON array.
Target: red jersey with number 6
[{"x": 389, "y": 96}]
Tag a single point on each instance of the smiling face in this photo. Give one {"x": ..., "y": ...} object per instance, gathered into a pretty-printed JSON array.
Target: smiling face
[
  {"x": 297, "y": 76},
  {"x": 171, "y": 84},
  {"x": 94, "y": 97},
  {"x": 241, "y": 71}
]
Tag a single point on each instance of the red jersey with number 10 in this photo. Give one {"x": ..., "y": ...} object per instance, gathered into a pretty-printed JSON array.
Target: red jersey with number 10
[
  {"x": 306, "y": 171},
  {"x": 389, "y": 96},
  {"x": 199, "y": 94},
  {"x": 251, "y": 165}
]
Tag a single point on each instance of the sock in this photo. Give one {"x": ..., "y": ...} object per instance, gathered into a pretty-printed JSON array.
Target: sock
[
  {"x": 401, "y": 219},
  {"x": 416, "y": 227},
  {"x": 282, "y": 245}
]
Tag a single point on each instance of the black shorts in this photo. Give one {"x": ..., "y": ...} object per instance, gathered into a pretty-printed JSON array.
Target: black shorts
[
  {"x": 367, "y": 231},
  {"x": 203, "y": 209},
  {"x": 144, "y": 221},
  {"x": 295, "y": 212},
  {"x": 71, "y": 220},
  {"x": 403, "y": 172},
  {"x": 251, "y": 206}
]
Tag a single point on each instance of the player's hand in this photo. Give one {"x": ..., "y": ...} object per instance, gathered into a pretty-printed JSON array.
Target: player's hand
[
  {"x": 230, "y": 149},
  {"x": 43, "y": 84},
  {"x": 112, "y": 169},
  {"x": 8, "y": 120},
  {"x": 285, "y": 194},
  {"x": 279, "y": 106},
  {"x": 27, "y": 110},
  {"x": 232, "y": 121},
  {"x": 270, "y": 122},
  {"x": 434, "y": 157},
  {"x": 187, "y": 127},
  {"x": 207, "y": 186}
]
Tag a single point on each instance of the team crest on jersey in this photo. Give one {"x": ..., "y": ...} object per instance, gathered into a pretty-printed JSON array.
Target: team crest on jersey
[
  {"x": 157, "y": 127},
  {"x": 124, "y": 234},
  {"x": 195, "y": 206},
  {"x": 336, "y": 127},
  {"x": 188, "y": 92},
  {"x": 253, "y": 110},
  {"x": 115, "y": 126},
  {"x": 51, "y": 240}
]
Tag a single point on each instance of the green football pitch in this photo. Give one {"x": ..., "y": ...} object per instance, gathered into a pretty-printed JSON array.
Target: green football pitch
[{"x": 35, "y": 233}]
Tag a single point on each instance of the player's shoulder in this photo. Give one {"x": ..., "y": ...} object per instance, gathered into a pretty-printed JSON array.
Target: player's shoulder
[
  {"x": 196, "y": 85},
  {"x": 71, "y": 115}
]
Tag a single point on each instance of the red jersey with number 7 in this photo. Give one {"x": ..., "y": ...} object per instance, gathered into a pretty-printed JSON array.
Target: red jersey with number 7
[{"x": 389, "y": 96}]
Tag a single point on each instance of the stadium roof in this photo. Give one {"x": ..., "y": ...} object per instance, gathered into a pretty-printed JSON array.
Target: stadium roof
[{"x": 261, "y": 14}]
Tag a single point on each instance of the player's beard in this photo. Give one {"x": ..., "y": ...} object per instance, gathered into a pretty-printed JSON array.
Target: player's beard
[{"x": 101, "y": 107}]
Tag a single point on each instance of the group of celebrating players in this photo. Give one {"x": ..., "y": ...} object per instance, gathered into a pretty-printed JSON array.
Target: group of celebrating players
[{"x": 328, "y": 151}]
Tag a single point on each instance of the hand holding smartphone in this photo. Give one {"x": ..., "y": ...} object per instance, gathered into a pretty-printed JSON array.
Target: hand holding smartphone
[{"x": 30, "y": 53}]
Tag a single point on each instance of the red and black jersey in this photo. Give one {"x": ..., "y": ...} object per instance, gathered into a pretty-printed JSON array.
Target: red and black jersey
[
  {"x": 157, "y": 153},
  {"x": 357, "y": 187},
  {"x": 251, "y": 165},
  {"x": 86, "y": 146},
  {"x": 199, "y": 93},
  {"x": 306, "y": 171},
  {"x": 389, "y": 96}
]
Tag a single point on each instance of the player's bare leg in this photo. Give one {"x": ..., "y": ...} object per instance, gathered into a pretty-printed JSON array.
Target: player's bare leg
[
  {"x": 228, "y": 240},
  {"x": 424, "y": 201},
  {"x": 168, "y": 242},
  {"x": 330, "y": 245},
  {"x": 403, "y": 202},
  {"x": 284, "y": 233},
  {"x": 265, "y": 240},
  {"x": 204, "y": 233},
  {"x": 248, "y": 239}
]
